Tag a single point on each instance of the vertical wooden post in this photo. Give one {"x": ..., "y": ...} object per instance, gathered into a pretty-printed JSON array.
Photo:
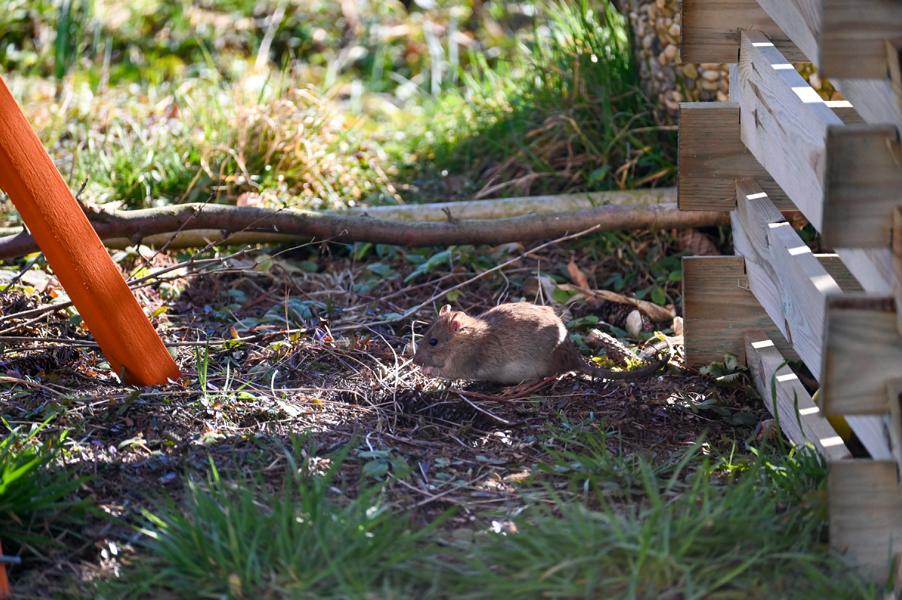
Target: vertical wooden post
[{"x": 74, "y": 251}]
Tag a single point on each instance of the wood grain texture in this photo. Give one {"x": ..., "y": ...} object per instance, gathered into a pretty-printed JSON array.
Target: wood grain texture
[
  {"x": 872, "y": 267},
  {"x": 896, "y": 257},
  {"x": 709, "y": 31},
  {"x": 853, "y": 36},
  {"x": 786, "y": 278},
  {"x": 712, "y": 158},
  {"x": 865, "y": 507},
  {"x": 784, "y": 123},
  {"x": 799, "y": 20},
  {"x": 805, "y": 286},
  {"x": 862, "y": 352},
  {"x": 894, "y": 64},
  {"x": 874, "y": 99},
  {"x": 894, "y": 399},
  {"x": 719, "y": 309},
  {"x": 792, "y": 286},
  {"x": 863, "y": 185},
  {"x": 788, "y": 400},
  {"x": 845, "y": 39},
  {"x": 73, "y": 250},
  {"x": 835, "y": 267},
  {"x": 750, "y": 220}
]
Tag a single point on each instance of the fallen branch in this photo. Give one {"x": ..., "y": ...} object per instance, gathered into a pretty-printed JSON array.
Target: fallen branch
[
  {"x": 234, "y": 224},
  {"x": 465, "y": 210},
  {"x": 524, "y": 205}
]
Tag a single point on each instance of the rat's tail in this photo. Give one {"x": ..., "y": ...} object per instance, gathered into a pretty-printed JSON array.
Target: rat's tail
[{"x": 661, "y": 356}]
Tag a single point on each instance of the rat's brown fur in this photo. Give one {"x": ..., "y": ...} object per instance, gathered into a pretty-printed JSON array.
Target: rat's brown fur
[{"x": 509, "y": 344}]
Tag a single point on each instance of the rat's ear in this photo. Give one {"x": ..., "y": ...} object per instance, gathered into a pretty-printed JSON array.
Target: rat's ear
[
  {"x": 455, "y": 323},
  {"x": 445, "y": 310}
]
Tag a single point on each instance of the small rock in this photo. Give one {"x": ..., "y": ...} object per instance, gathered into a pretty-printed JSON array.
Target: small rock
[{"x": 670, "y": 52}]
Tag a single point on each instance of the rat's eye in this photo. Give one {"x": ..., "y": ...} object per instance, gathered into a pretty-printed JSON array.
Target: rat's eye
[{"x": 433, "y": 341}]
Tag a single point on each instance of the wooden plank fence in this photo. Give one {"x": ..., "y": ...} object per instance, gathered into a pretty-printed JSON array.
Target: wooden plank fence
[{"x": 776, "y": 147}]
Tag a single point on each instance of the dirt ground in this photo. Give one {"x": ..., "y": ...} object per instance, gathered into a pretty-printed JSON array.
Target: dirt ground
[{"x": 341, "y": 380}]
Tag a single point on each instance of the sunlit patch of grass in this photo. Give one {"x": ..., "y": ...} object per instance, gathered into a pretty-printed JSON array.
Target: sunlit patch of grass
[
  {"x": 566, "y": 115},
  {"x": 38, "y": 506},
  {"x": 239, "y": 538},
  {"x": 704, "y": 535},
  {"x": 208, "y": 138}
]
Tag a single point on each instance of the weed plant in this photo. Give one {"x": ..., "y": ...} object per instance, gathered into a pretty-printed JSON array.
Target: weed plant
[{"x": 38, "y": 505}]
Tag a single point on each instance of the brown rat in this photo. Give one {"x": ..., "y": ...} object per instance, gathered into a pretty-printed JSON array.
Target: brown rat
[{"x": 510, "y": 344}]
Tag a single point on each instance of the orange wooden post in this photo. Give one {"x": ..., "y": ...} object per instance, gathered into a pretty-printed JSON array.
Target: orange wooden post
[
  {"x": 73, "y": 250},
  {"x": 4, "y": 581}
]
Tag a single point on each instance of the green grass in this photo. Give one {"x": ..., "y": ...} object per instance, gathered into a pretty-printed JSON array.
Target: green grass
[
  {"x": 38, "y": 505},
  {"x": 749, "y": 535},
  {"x": 241, "y": 538},
  {"x": 694, "y": 527},
  {"x": 557, "y": 110},
  {"x": 209, "y": 138},
  {"x": 564, "y": 114}
]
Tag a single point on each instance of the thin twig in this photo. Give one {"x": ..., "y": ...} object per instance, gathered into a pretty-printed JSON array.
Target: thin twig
[
  {"x": 26, "y": 383},
  {"x": 491, "y": 415},
  {"x": 411, "y": 311}
]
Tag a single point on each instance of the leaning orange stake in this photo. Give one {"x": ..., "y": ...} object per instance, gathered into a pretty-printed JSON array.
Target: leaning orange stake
[
  {"x": 73, "y": 250},
  {"x": 4, "y": 581}
]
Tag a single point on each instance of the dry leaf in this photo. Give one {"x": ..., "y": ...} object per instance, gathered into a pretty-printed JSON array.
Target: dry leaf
[
  {"x": 576, "y": 275},
  {"x": 654, "y": 312}
]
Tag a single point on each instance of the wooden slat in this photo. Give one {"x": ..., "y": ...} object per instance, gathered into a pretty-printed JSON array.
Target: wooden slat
[
  {"x": 896, "y": 257},
  {"x": 788, "y": 400},
  {"x": 853, "y": 36},
  {"x": 894, "y": 398},
  {"x": 799, "y": 20},
  {"x": 783, "y": 274},
  {"x": 709, "y": 30},
  {"x": 792, "y": 287},
  {"x": 784, "y": 123},
  {"x": 845, "y": 38},
  {"x": 863, "y": 185},
  {"x": 872, "y": 267},
  {"x": 865, "y": 503},
  {"x": 894, "y": 62},
  {"x": 862, "y": 352},
  {"x": 754, "y": 213},
  {"x": 874, "y": 99},
  {"x": 712, "y": 157},
  {"x": 839, "y": 272},
  {"x": 805, "y": 285},
  {"x": 718, "y": 309}
]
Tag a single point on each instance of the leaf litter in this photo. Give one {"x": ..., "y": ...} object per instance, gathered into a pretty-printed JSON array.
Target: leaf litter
[{"x": 279, "y": 344}]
